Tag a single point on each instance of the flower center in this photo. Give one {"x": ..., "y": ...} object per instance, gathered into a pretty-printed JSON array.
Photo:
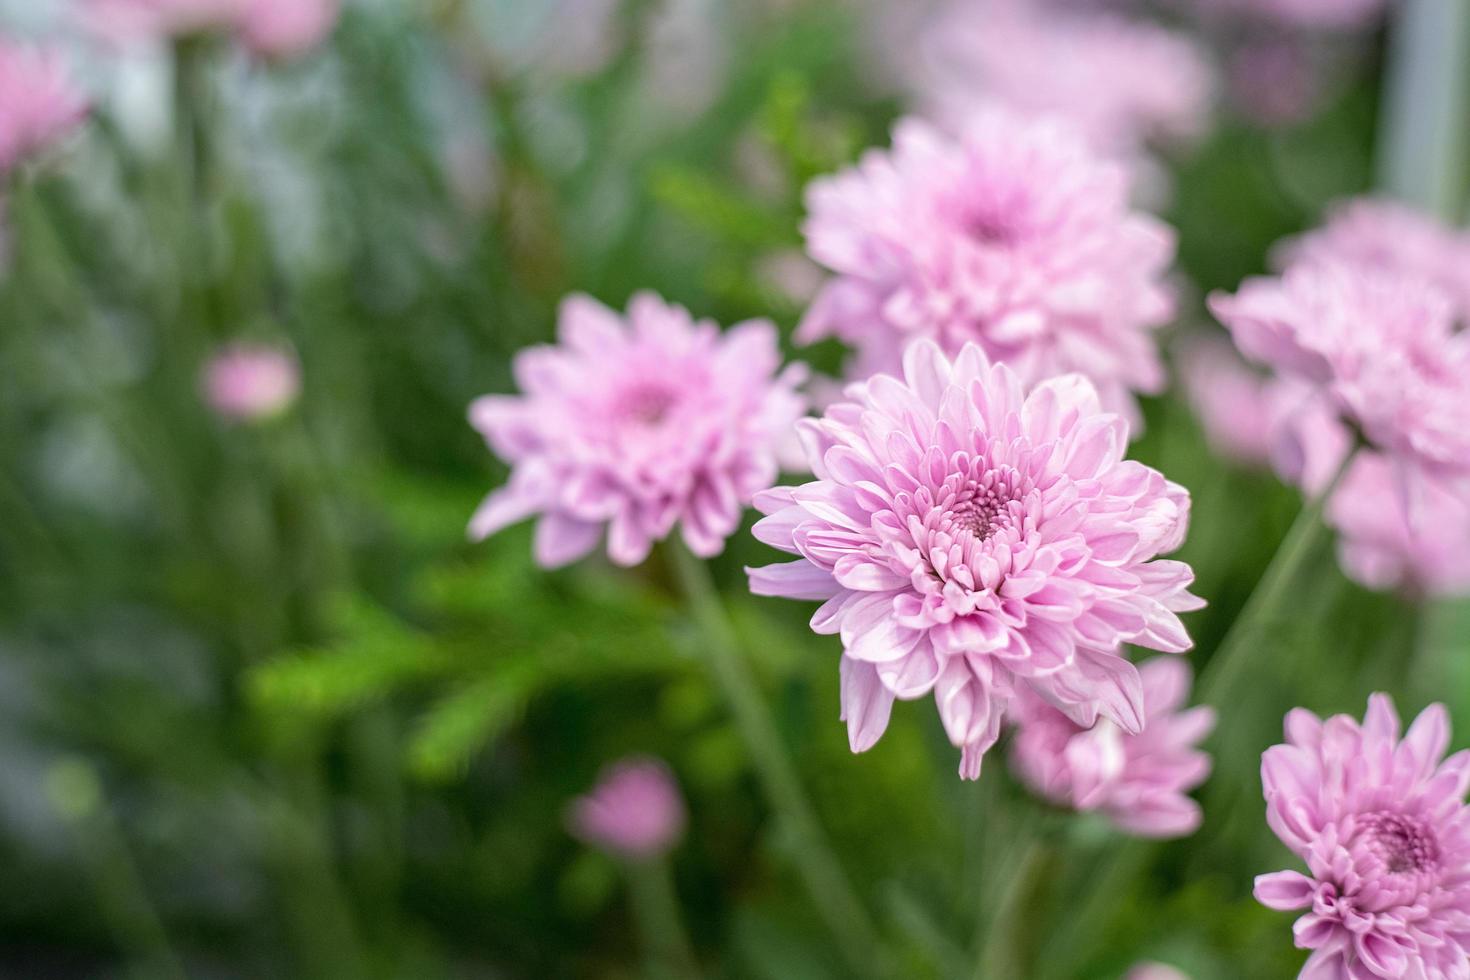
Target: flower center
[
  {"x": 1404, "y": 844},
  {"x": 981, "y": 505},
  {"x": 644, "y": 404}
]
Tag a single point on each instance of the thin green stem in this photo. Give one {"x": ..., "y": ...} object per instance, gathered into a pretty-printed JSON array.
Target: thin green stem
[
  {"x": 818, "y": 866},
  {"x": 999, "y": 950},
  {"x": 656, "y": 912},
  {"x": 1270, "y": 596},
  {"x": 1089, "y": 919}
]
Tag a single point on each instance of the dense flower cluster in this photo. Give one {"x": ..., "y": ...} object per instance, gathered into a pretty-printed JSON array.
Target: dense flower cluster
[
  {"x": 1014, "y": 236},
  {"x": 39, "y": 101},
  {"x": 269, "y": 28},
  {"x": 1138, "y": 781},
  {"x": 1124, "y": 83},
  {"x": 634, "y": 811},
  {"x": 970, "y": 540},
  {"x": 1383, "y": 828},
  {"x": 637, "y": 426}
]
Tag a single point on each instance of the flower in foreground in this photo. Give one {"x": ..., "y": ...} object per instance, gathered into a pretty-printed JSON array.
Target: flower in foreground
[
  {"x": 247, "y": 383},
  {"x": 1138, "y": 781},
  {"x": 635, "y": 426},
  {"x": 634, "y": 811},
  {"x": 971, "y": 540},
  {"x": 1420, "y": 551},
  {"x": 1381, "y": 347},
  {"x": 1123, "y": 82},
  {"x": 1382, "y": 826},
  {"x": 39, "y": 101},
  {"x": 1014, "y": 236}
]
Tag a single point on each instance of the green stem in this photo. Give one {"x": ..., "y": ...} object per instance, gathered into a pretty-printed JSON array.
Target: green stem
[
  {"x": 999, "y": 951},
  {"x": 656, "y": 911},
  {"x": 1087, "y": 921},
  {"x": 1267, "y": 601},
  {"x": 820, "y": 870}
]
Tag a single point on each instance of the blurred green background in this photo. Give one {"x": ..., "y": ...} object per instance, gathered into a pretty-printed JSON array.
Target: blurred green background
[{"x": 264, "y": 712}]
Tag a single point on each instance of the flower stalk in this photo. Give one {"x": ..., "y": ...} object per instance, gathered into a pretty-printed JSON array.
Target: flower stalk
[{"x": 656, "y": 913}]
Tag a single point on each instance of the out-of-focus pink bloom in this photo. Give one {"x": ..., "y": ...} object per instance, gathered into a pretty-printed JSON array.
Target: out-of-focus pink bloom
[
  {"x": 1228, "y": 399},
  {"x": 1316, "y": 14},
  {"x": 1393, "y": 238},
  {"x": 970, "y": 539},
  {"x": 1382, "y": 826},
  {"x": 1122, "y": 82},
  {"x": 1422, "y": 550},
  {"x": 269, "y": 28},
  {"x": 1155, "y": 971},
  {"x": 636, "y": 426},
  {"x": 246, "y": 383},
  {"x": 286, "y": 28},
  {"x": 634, "y": 811},
  {"x": 1273, "y": 81},
  {"x": 1015, "y": 237},
  {"x": 39, "y": 102},
  {"x": 1381, "y": 347},
  {"x": 1138, "y": 781}
]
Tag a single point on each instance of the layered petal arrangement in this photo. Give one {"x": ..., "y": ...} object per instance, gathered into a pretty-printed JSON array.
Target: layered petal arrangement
[
  {"x": 970, "y": 539},
  {"x": 635, "y": 810},
  {"x": 1124, "y": 83},
  {"x": 1140, "y": 782},
  {"x": 1014, "y": 236},
  {"x": 637, "y": 425},
  {"x": 1383, "y": 828},
  {"x": 39, "y": 101},
  {"x": 1381, "y": 347}
]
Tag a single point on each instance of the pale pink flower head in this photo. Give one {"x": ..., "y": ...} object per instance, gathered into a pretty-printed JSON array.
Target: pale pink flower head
[
  {"x": 1420, "y": 549},
  {"x": 1394, "y": 238},
  {"x": 1381, "y": 347},
  {"x": 1124, "y": 83},
  {"x": 633, "y": 812},
  {"x": 1139, "y": 782},
  {"x": 1155, "y": 971},
  {"x": 40, "y": 103},
  {"x": 1382, "y": 826},
  {"x": 1014, "y": 236},
  {"x": 247, "y": 383},
  {"x": 973, "y": 540},
  {"x": 286, "y": 28},
  {"x": 634, "y": 425}
]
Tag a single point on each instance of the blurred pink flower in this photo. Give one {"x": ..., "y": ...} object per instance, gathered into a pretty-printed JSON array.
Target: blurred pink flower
[
  {"x": 1138, "y": 781},
  {"x": 1318, "y": 14},
  {"x": 1228, "y": 399},
  {"x": 636, "y": 426},
  {"x": 1273, "y": 80},
  {"x": 246, "y": 383},
  {"x": 1015, "y": 237},
  {"x": 1155, "y": 971},
  {"x": 1122, "y": 82},
  {"x": 1384, "y": 831},
  {"x": 971, "y": 540},
  {"x": 1423, "y": 550},
  {"x": 634, "y": 811},
  {"x": 1391, "y": 237},
  {"x": 269, "y": 28},
  {"x": 1381, "y": 347},
  {"x": 39, "y": 101}
]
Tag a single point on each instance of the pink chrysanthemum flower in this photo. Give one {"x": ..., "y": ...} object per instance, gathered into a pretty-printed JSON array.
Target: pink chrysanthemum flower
[
  {"x": 970, "y": 540},
  {"x": 1015, "y": 237},
  {"x": 1138, "y": 781},
  {"x": 635, "y": 427},
  {"x": 1124, "y": 83},
  {"x": 39, "y": 102},
  {"x": 1394, "y": 238},
  {"x": 246, "y": 383},
  {"x": 1423, "y": 550},
  {"x": 1382, "y": 826},
  {"x": 634, "y": 811},
  {"x": 1381, "y": 347},
  {"x": 286, "y": 28}
]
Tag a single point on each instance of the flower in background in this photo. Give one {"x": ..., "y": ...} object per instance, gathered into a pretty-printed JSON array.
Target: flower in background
[
  {"x": 1382, "y": 826},
  {"x": 1155, "y": 971},
  {"x": 268, "y": 28},
  {"x": 1124, "y": 83},
  {"x": 633, "y": 812},
  {"x": 1313, "y": 14},
  {"x": 1015, "y": 237},
  {"x": 636, "y": 426},
  {"x": 1273, "y": 79},
  {"x": 248, "y": 383},
  {"x": 39, "y": 101},
  {"x": 1419, "y": 551},
  {"x": 1393, "y": 238},
  {"x": 1138, "y": 781},
  {"x": 971, "y": 540},
  {"x": 286, "y": 28},
  {"x": 1380, "y": 347}
]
